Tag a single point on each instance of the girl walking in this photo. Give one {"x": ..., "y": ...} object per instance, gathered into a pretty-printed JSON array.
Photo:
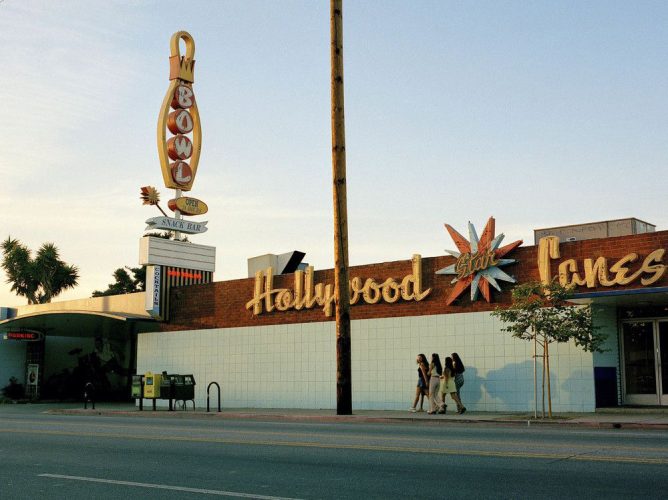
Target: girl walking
[
  {"x": 459, "y": 376},
  {"x": 448, "y": 386},
  {"x": 422, "y": 388},
  {"x": 435, "y": 371}
]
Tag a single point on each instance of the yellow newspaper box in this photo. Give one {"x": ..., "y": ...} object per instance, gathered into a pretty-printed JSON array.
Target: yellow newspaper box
[{"x": 152, "y": 385}]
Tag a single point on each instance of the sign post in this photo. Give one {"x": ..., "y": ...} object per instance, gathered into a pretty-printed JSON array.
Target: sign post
[
  {"x": 183, "y": 120},
  {"x": 176, "y": 263}
]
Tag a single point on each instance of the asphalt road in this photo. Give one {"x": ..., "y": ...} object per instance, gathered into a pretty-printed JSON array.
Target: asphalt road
[{"x": 61, "y": 456}]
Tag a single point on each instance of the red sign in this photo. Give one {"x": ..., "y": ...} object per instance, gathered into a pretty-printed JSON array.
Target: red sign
[
  {"x": 180, "y": 122},
  {"x": 185, "y": 274},
  {"x": 25, "y": 336},
  {"x": 179, "y": 147},
  {"x": 184, "y": 97},
  {"x": 181, "y": 173}
]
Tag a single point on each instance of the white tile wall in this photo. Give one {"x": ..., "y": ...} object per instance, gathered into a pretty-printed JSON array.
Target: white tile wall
[
  {"x": 605, "y": 317},
  {"x": 294, "y": 366}
]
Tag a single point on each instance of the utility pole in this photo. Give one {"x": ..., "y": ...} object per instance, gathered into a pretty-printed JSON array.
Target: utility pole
[{"x": 344, "y": 399}]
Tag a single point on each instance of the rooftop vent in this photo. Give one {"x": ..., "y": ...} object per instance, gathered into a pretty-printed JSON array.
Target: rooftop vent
[{"x": 284, "y": 263}]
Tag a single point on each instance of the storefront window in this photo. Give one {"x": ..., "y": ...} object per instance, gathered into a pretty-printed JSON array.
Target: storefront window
[
  {"x": 663, "y": 349},
  {"x": 649, "y": 311}
]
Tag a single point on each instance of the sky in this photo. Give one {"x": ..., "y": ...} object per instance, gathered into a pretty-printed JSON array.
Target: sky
[{"x": 538, "y": 113}]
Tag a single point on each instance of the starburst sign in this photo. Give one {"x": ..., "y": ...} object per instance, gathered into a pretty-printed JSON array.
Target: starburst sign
[{"x": 478, "y": 262}]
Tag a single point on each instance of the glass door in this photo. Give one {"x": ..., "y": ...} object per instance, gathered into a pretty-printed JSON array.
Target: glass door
[
  {"x": 662, "y": 369},
  {"x": 639, "y": 363}
]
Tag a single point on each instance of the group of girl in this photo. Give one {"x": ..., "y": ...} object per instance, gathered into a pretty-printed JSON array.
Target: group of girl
[{"x": 436, "y": 381}]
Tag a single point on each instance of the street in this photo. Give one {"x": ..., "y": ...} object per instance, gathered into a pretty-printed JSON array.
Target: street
[{"x": 65, "y": 456}]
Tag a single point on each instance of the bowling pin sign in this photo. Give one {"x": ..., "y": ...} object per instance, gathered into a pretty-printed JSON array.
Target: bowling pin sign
[{"x": 179, "y": 154}]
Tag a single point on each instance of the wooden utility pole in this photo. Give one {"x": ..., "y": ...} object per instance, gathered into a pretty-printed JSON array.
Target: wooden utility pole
[{"x": 344, "y": 398}]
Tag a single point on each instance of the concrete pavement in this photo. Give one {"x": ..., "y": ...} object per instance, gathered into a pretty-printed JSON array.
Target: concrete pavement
[{"x": 637, "y": 418}]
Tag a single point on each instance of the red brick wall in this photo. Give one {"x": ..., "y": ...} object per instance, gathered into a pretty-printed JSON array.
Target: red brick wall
[{"x": 222, "y": 304}]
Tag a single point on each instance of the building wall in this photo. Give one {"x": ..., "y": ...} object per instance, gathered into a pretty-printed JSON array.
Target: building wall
[
  {"x": 12, "y": 361},
  {"x": 287, "y": 358},
  {"x": 223, "y": 304},
  {"x": 605, "y": 318},
  {"x": 294, "y": 366}
]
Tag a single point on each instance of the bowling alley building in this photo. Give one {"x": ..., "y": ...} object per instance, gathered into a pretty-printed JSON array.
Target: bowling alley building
[{"x": 269, "y": 339}]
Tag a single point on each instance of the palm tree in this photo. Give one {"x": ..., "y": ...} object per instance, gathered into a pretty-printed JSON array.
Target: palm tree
[{"x": 39, "y": 279}]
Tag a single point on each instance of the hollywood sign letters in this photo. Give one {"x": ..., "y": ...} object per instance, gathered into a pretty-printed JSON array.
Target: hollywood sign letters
[
  {"x": 589, "y": 272},
  {"x": 306, "y": 294},
  {"x": 594, "y": 272}
]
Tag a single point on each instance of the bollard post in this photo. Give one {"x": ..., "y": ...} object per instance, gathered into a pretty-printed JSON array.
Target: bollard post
[{"x": 89, "y": 395}]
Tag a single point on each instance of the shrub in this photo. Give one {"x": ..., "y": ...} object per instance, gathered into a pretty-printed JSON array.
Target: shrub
[{"x": 13, "y": 390}]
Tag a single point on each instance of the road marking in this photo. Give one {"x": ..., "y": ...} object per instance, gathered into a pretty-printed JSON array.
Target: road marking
[
  {"x": 570, "y": 447},
  {"x": 167, "y": 487},
  {"x": 340, "y": 446}
]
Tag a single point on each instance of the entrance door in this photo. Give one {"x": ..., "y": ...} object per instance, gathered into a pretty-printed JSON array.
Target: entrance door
[
  {"x": 645, "y": 344},
  {"x": 662, "y": 369}
]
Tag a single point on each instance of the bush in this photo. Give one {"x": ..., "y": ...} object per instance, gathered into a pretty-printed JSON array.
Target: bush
[{"x": 13, "y": 390}]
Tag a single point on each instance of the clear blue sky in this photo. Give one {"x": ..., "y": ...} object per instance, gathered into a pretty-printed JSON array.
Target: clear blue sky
[{"x": 539, "y": 113}]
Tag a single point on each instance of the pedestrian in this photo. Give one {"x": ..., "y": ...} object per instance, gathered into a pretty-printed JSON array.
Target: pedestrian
[
  {"x": 448, "y": 386},
  {"x": 459, "y": 374},
  {"x": 422, "y": 388},
  {"x": 435, "y": 371}
]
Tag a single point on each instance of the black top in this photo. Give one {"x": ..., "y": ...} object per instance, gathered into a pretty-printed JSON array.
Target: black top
[{"x": 421, "y": 376}]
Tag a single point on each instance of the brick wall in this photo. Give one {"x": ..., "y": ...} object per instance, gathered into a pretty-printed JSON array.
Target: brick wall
[{"x": 222, "y": 304}]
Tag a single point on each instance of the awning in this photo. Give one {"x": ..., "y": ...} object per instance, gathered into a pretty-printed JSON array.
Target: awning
[
  {"x": 80, "y": 324},
  {"x": 638, "y": 297}
]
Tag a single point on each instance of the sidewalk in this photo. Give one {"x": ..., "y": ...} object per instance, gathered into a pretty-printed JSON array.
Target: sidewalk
[{"x": 626, "y": 418}]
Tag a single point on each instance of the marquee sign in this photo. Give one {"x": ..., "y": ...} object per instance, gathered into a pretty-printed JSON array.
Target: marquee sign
[
  {"x": 161, "y": 279},
  {"x": 179, "y": 155},
  {"x": 478, "y": 262}
]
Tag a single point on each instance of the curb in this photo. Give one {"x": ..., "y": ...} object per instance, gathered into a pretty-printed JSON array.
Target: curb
[{"x": 236, "y": 415}]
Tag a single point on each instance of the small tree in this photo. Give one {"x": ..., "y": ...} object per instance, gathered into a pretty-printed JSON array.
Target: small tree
[
  {"x": 168, "y": 235},
  {"x": 13, "y": 390},
  {"x": 39, "y": 279},
  {"x": 124, "y": 283},
  {"x": 541, "y": 313}
]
